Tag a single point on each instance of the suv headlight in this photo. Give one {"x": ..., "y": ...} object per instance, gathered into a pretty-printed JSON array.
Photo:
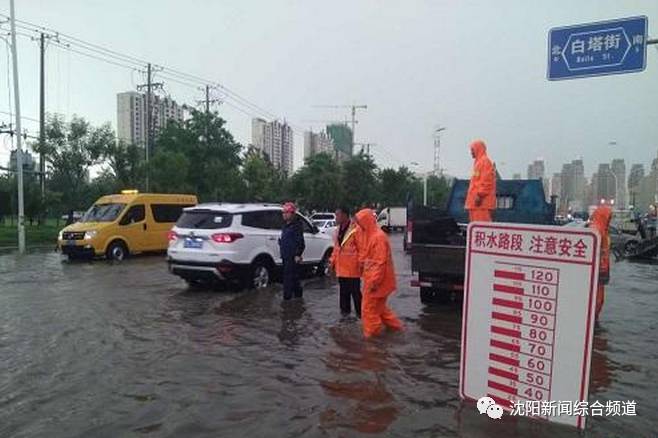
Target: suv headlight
[
  {"x": 60, "y": 236},
  {"x": 90, "y": 234}
]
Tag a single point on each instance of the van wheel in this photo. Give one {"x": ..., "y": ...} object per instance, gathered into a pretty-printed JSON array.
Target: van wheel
[
  {"x": 260, "y": 275},
  {"x": 117, "y": 251}
]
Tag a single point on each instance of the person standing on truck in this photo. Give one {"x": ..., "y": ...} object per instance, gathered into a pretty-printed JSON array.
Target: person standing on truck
[
  {"x": 291, "y": 245},
  {"x": 378, "y": 276},
  {"x": 345, "y": 263},
  {"x": 481, "y": 197},
  {"x": 600, "y": 221}
]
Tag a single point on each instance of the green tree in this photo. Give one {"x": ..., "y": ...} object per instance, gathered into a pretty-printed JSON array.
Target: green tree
[
  {"x": 359, "y": 181},
  {"x": 396, "y": 184},
  {"x": 71, "y": 149},
  {"x": 438, "y": 188},
  {"x": 126, "y": 165},
  {"x": 202, "y": 152},
  {"x": 264, "y": 183},
  {"x": 317, "y": 185}
]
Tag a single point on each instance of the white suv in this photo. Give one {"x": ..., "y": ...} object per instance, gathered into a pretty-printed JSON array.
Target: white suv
[{"x": 238, "y": 242}]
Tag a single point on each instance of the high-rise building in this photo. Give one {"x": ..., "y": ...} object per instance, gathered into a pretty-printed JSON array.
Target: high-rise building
[
  {"x": 635, "y": 178},
  {"x": 341, "y": 134},
  {"x": 556, "y": 186},
  {"x": 132, "y": 119},
  {"x": 536, "y": 169},
  {"x": 605, "y": 183},
  {"x": 275, "y": 140},
  {"x": 573, "y": 184},
  {"x": 618, "y": 169},
  {"x": 318, "y": 143}
]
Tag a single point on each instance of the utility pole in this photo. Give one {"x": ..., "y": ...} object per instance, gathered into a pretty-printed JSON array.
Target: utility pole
[
  {"x": 150, "y": 86},
  {"x": 149, "y": 123},
  {"x": 42, "y": 117},
  {"x": 367, "y": 146},
  {"x": 19, "y": 139},
  {"x": 353, "y": 111}
]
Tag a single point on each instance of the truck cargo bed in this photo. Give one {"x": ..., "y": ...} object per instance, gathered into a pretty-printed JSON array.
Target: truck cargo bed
[{"x": 438, "y": 259}]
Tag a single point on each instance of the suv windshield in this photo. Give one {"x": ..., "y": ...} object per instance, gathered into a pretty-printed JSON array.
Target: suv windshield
[
  {"x": 103, "y": 213},
  {"x": 204, "y": 219}
]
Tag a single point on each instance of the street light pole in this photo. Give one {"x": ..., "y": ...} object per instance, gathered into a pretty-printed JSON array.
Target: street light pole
[{"x": 19, "y": 133}]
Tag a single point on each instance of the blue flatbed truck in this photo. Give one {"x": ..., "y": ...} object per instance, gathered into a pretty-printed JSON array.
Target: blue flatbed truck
[{"x": 437, "y": 235}]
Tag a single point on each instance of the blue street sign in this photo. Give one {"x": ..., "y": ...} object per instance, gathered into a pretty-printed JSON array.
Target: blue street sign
[{"x": 597, "y": 49}]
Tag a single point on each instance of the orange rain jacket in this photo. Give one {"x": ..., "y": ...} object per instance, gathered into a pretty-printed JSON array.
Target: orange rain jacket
[
  {"x": 483, "y": 180},
  {"x": 378, "y": 271},
  {"x": 345, "y": 257},
  {"x": 600, "y": 221}
]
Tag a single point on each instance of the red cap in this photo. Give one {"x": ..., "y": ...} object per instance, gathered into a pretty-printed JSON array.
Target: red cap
[{"x": 289, "y": 207}]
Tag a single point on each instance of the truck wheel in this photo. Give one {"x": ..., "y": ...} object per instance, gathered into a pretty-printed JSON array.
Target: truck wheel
[
  {"x": 429, "y": 295},
  {"x": 117, "y": 251}
]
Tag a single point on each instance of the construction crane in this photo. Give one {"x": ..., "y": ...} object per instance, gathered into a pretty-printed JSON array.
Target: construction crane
[
  {"x": 353, "y": 109},
  {"x": 328, "y": 122}
]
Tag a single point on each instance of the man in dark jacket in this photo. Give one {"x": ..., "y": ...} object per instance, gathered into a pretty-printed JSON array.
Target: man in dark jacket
[{"x": 292, "y": 247}]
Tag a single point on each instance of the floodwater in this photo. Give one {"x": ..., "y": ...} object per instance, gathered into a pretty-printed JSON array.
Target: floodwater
[{"x": 113, "y": 350}]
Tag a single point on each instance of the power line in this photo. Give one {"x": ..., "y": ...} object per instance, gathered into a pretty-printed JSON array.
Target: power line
[{"x": 131, "y": 62}]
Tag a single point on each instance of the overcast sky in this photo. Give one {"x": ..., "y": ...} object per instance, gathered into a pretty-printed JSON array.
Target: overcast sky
[{"x": 476, "y": 67}]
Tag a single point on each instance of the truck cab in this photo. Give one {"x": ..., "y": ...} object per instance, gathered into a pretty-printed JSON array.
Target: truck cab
[{"x": 438, "y": 242}]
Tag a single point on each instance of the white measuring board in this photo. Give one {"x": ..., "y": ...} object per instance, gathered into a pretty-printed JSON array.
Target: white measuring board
[{"x": 528, "y": 319}]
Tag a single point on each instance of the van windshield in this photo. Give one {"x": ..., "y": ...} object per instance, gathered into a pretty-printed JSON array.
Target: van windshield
[
  {"x": 204, "y": 220},
  {"x": 103, "y": 213}
]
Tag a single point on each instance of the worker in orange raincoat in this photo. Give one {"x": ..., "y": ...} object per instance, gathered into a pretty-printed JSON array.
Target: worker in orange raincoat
[
  {"x": 481, "y": 197},
  {"x": 600, "y": 221},
  {"x": 378, "y": 276},
  {"x": 345, "y": 262}
]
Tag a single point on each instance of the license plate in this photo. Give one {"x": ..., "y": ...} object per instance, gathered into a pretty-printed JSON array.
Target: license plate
[
  {"x": 193, "y": 244},
  {"x": 70, "y": 243}
]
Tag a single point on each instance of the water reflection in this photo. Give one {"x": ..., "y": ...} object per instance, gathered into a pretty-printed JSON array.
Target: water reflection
[
  {"x": 291, "y": 314},
  {"x": 364, "y": 402}
]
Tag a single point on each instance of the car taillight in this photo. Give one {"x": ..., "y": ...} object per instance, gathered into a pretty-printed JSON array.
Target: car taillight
[
  {"x": 410, "y": 230},
  {"x": 171, "y": 235},
  {"x": 226, "y": 237}
]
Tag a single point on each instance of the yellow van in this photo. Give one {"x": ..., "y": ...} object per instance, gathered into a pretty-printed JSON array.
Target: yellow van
[{"x": 127, "y": 223}]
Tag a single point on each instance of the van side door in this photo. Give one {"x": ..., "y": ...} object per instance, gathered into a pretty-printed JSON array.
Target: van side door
[{"x": 132, "y": 227}]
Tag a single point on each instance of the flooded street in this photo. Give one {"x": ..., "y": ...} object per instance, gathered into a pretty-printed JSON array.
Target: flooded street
[{"x": 108, "y": 350}]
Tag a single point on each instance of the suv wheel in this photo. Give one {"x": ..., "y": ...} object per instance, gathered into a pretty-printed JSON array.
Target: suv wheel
[
  {"x": 260, "y": 275},
  {"x": 117, "y": 251},
  {"x": 322, "y": 268}
]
